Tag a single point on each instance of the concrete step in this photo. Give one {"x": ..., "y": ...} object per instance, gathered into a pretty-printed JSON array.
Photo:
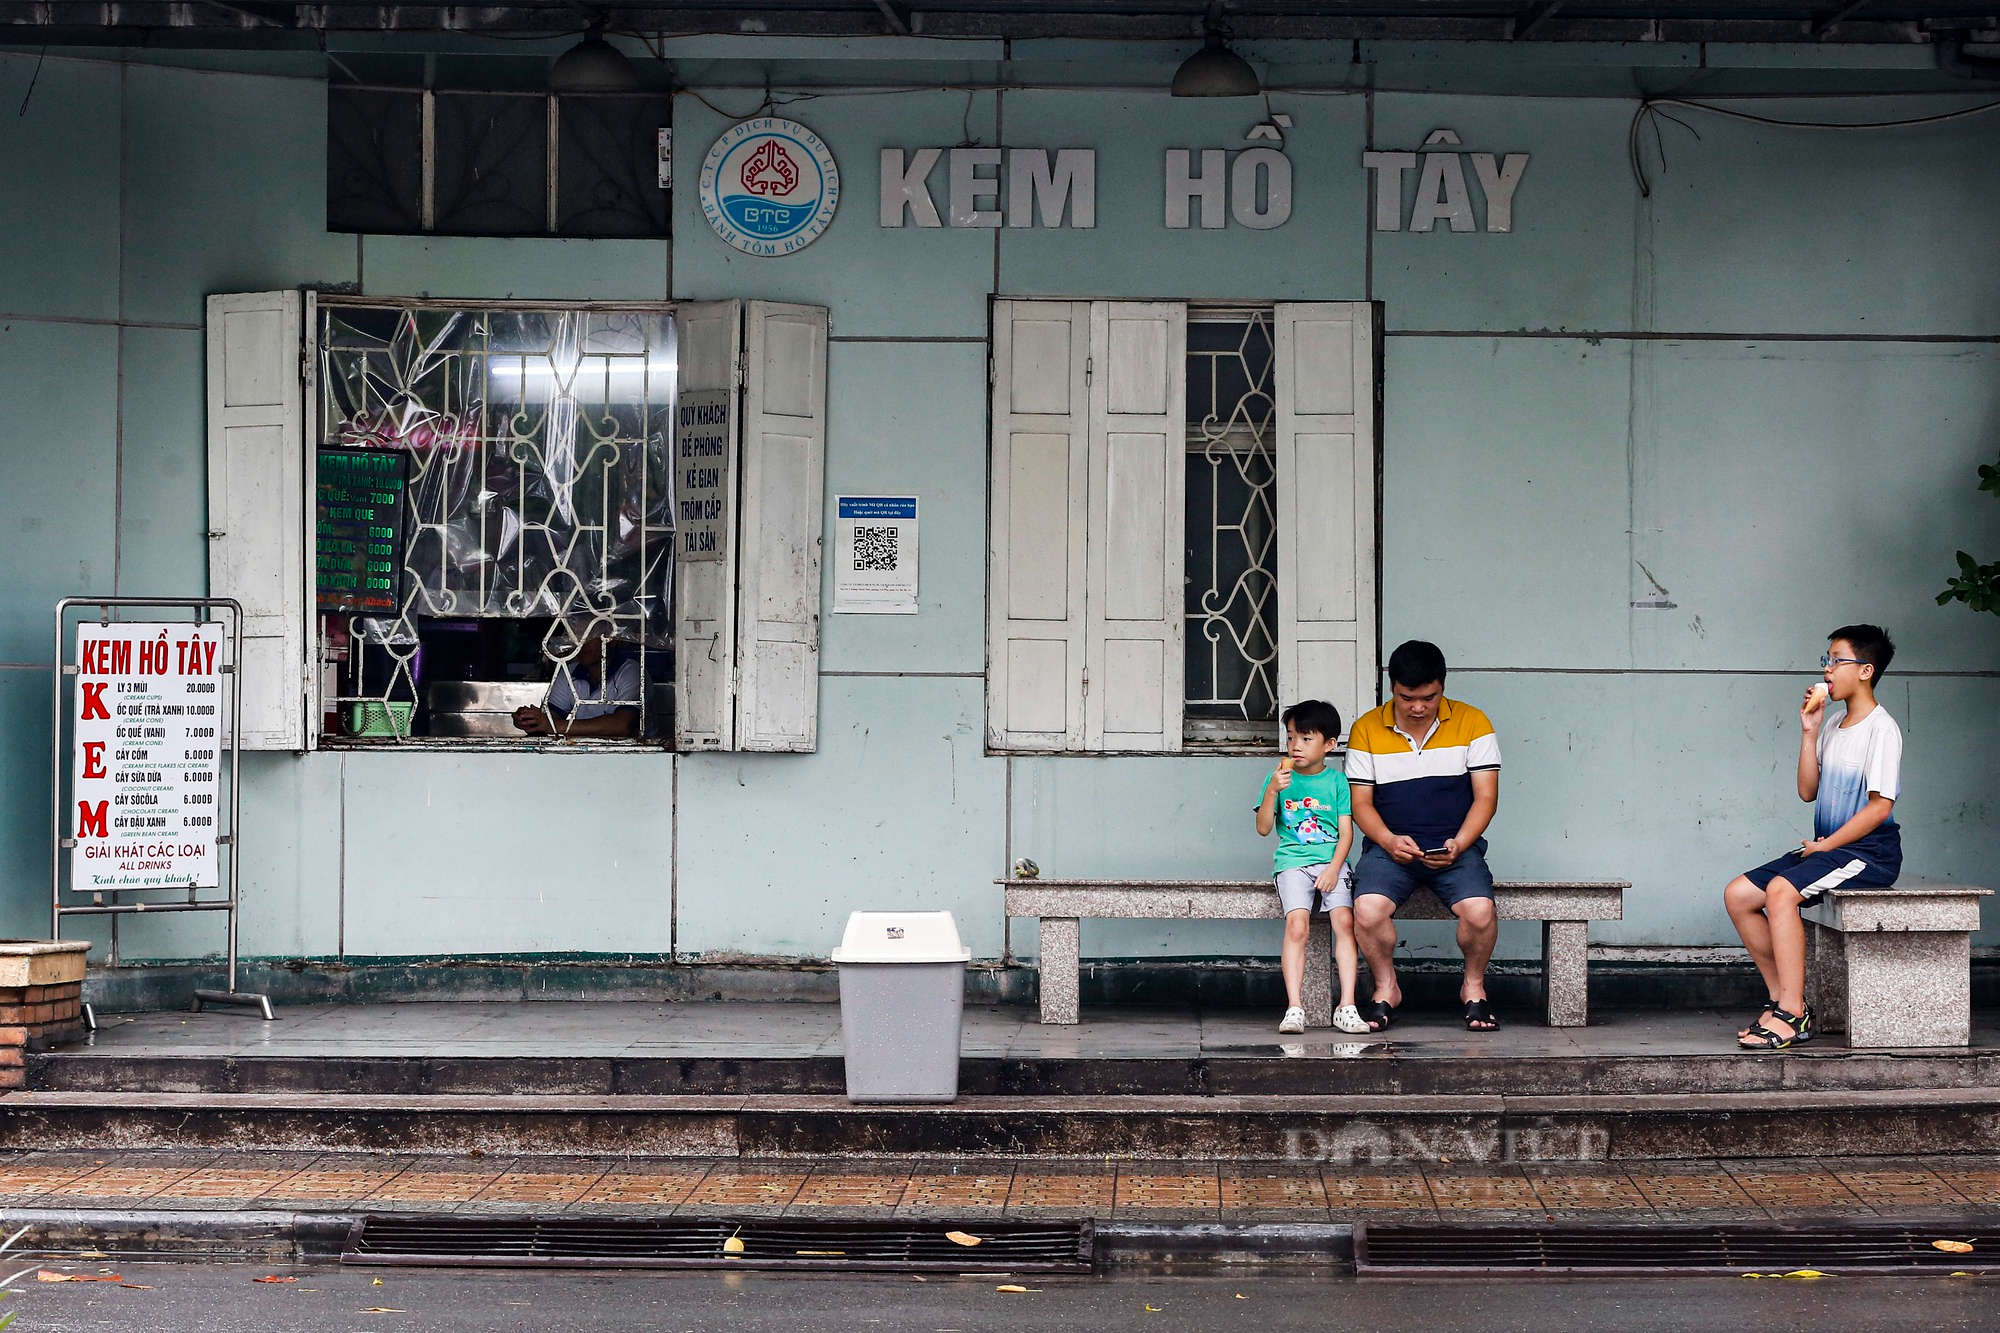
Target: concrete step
[
  {"x": 1339, "y": 1129},
  {"x": 1363, "y": 1069}
]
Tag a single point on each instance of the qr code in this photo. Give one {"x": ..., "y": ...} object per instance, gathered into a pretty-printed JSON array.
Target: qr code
[{"x": 875, "y": 549}]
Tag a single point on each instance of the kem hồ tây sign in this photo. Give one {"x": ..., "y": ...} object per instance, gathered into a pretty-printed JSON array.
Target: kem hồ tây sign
[{"x": 359, "y": 530}]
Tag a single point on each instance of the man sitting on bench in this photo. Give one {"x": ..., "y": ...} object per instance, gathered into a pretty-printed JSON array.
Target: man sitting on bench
[{"x": 1425, "y": 775}]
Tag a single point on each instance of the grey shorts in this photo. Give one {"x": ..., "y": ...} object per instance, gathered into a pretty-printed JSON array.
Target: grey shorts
[{"x": 1298, "y": 892}]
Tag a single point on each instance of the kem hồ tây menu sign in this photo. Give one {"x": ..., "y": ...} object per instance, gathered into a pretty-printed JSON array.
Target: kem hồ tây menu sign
[
  {"x": 358, "y": 534},
  {"x": 148, "y": 736}
]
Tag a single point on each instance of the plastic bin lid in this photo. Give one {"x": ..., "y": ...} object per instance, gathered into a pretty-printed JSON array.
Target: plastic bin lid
[{"x": 901, "y": 937}]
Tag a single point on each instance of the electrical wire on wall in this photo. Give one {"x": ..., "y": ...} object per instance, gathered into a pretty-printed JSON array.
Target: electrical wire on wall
[{"x": 1650, "y": 114}]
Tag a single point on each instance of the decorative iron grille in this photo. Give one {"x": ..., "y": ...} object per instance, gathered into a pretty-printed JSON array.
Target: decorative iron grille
[
  {"x": 1232, "y": 591},
  {"x": 539, "y": 484},
  {"x": 406, "y": 161}
]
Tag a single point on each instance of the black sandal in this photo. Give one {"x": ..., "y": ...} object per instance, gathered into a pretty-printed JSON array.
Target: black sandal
[
  {"x": 1479, "y": 1016},
  {"x": 1379, "y": 1015},
  {"x": 1770, "y": 1007},
  {"x": 1767, "y": 1040}
]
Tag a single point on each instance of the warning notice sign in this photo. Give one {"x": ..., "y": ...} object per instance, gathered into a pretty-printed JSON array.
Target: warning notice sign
[{"x": 146, "y": 769}]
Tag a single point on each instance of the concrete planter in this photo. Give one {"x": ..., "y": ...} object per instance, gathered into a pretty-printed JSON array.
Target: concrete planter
[{"x": 41, "y": 1000}]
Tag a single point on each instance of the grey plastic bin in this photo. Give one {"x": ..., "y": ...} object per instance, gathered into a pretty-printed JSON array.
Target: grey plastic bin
[{"x": 902, "y": 992}]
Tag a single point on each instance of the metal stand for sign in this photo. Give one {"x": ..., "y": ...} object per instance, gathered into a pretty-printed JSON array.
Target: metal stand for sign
[{"x": 227, "y": 841}]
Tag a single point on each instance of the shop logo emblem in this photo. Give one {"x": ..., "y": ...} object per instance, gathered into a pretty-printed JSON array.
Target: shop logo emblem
[{"x": 769, "y": 186}]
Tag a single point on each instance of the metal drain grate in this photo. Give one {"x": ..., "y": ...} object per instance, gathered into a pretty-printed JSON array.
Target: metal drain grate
[
  {"x": 1395, "y": 1250},
  {"x": 619, "y": 1242}
]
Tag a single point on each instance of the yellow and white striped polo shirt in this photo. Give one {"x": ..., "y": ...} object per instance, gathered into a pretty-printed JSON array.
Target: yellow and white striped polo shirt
[{"x": 1422, "y": 789}]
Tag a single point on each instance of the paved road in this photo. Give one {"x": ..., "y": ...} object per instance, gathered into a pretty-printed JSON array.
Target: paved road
[{"x": 219, "y": 1298}]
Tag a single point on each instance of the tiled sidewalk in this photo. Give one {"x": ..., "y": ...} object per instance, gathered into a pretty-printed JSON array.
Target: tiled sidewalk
[{"x": 1107, "y": 1190}]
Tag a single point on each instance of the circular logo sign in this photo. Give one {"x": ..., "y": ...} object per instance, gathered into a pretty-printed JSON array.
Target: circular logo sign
[{"x": 769, "y": 186}]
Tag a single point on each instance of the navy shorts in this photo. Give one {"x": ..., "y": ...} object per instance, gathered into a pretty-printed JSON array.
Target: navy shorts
[
  {"x": 1467, "y": 877},
  {"x": 1871, "y": 863}
]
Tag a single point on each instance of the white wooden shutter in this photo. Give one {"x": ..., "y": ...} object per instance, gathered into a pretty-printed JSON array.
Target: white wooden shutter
[
  {"x": 257, "y": 515},
  {"x": 1040, "y": 462},
  {"x": 1325, "y": 384},
  {"x": 783, "y": 470},
  {"x": 1136, "y": 593},
  {"x": 708, "y": 339}
]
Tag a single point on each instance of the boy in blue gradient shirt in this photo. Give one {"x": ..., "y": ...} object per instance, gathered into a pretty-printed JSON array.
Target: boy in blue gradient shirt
[{"x": 1852, "y": 772}]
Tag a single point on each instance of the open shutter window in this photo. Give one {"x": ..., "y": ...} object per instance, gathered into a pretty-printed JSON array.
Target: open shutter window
[
  {"x": 1035, "y": 638},
  {"x": 1137, "y": 547},
  {"x": 1325, "y": 384},
  {"x": 257, "y": 503},
  {"x": 784, "y": 465},
  {"x": 707, "y": 336}
]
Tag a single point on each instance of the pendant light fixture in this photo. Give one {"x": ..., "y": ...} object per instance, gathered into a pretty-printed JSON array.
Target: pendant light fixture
[
  {"x": 1215, "y": 71},
  {"x": 593, "y": 65}
]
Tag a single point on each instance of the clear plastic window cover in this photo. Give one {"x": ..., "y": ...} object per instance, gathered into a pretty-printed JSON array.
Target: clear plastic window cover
[{"x": 540, "y": 456}]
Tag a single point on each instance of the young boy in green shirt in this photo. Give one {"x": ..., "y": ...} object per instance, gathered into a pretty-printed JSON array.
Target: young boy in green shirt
[{"x": 1308, "y": 804}]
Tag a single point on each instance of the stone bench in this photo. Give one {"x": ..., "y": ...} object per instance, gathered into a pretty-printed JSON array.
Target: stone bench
[
  {"x": 1893, "y": 967},
  {"x": 1563, "y": 908}
]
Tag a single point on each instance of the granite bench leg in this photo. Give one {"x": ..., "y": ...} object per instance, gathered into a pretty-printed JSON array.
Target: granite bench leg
[
  {"x": 1908, "y": 988},
  {"x": 1566, "y": 973},
  {"x": 1059, "y": 968},
  {"x": 1316, "y": 991},
  {"x": 1826, "y": 977}
]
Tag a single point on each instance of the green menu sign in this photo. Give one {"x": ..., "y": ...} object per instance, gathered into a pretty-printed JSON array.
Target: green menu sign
[{"x": 360, "y": 530}]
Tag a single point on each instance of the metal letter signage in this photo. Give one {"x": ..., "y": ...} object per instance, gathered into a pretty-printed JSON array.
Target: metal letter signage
[
  {"x": 149, "y": 732},
  {"x": 1442, "y": 195},
  {"x": 769, "y": 186},
  {"x": 977, "y": 177}
]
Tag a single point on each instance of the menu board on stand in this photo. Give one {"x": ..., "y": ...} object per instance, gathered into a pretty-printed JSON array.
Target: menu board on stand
[{"x": 146, "y": 720}]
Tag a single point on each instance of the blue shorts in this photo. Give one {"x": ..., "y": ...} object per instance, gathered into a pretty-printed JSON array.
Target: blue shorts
[
  {"x": 1467, "y": 877},
  {"x": 1872, "y": 862}
]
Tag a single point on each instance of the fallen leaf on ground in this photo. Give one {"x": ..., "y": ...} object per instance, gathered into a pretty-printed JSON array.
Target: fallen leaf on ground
[
  {"x": 381, "y": 1309},
  {"x": 275, "y": 1278},
  {"x": 134, "y": 1286},
  {"x": 733, "y": 1245},
  {"x": 46, "y": 1276},
  {"x": 967, "y": 1238},
  {"x": 376, "y": 1283},
  {"x": 1965, "y": 1275},
  {"x": 1805, "y": 1273},
  {"x": 1010, "y": 1286},
  {"x": 1953, "y": 1246},
  {"x": 1152, "y": 1309},
  {"x": 1241, "y": 1297}
]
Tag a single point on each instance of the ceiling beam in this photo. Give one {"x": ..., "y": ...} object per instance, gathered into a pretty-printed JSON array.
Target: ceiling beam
[
  {"x": 180, "y": 24},
  {"x": 1526, "y": 24},
  {"x": 1824, "y": 25},
  {"x": 896, "y": 16}
]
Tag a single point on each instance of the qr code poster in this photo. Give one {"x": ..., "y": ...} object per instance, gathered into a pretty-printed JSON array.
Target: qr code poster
[{"x": 875, "y": 555}]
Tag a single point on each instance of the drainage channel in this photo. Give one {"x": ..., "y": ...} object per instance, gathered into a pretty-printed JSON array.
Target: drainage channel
[
  {"x": 760, "y": 1243},
  {"x": 1440, "y": 1251}
]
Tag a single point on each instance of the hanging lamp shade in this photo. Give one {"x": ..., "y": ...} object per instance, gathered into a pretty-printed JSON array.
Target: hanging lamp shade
[
  {"x": 593, "y": 65},
  {"x": 1215, "y": 71}
]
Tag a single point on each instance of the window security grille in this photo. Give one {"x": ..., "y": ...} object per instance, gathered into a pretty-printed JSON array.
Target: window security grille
[
  {"x": 540, "y": 506},
  {"x": 1232, "y": 594},
  {"x": 443, "y": 162}
]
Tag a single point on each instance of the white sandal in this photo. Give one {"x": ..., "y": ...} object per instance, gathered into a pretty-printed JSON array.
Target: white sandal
[{"x": 1348, "y": 1019}]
